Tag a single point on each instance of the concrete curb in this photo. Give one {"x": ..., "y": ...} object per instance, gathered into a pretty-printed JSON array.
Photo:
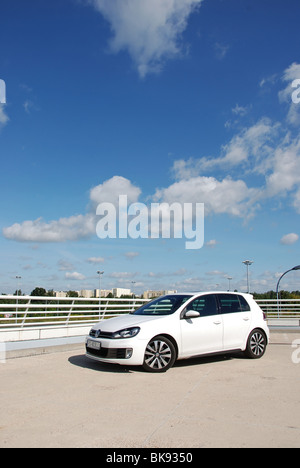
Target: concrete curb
[
  {"x": 17, "y": 349},
  {"x": 284, "y": 336}
]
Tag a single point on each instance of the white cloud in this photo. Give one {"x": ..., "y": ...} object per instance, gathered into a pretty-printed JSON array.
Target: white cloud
[
  {"x": 95, "y": 260},
  {"x": 64, "y": 265},
  {"x": 290, "y": 74},
  {"x": 3, "y": 116},
  {"x": 266, "y": 152},
  {"x": 160, "y": 274},
  {"x": 215, "y": 273},
  {"x": 29, "y": 106},
  {"x": 297, "y": 201},
  {"x": 221, "y": 50},
  {"x": 211, "y": 244},
  {"x": 251, "y": 147},
  {"x": 251, "y": 151},
  {"x": 74, "y": 276},
  {"x": 285, "y": 175},
  {"x": 269, "y": 80},
  {"x": 252, "y": 143},
  {"x": 65, "y": 229},
  {"x": 110, "y": 190},
  {"x": 131, "y": 255},
  {"x": 226, "y": 196},
  {"x": 266, "y": 149},
  {"x": 149, "y": 30},
  {"x": 122, "y": 275},
  {"x": 289, "y": 239},
  {"x": 240, "y": 110},
  {"x": 75, "y": 227}
]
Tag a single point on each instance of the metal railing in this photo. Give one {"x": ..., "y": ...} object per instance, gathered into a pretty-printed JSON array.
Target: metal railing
[
  {"x": 18, "y": 312},
  {"x": 282, "y": 309}
]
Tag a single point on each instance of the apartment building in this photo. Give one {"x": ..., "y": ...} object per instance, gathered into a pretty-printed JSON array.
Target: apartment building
[
  {"x": 118, "y": 292},
  {"x": 154, "y": 294}
]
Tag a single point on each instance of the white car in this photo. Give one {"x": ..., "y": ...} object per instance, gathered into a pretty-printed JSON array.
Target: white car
[{"x": 180, "y": 326}]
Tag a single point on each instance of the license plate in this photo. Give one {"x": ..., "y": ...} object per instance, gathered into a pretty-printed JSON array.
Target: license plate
[{"x": 94, "y": 344}]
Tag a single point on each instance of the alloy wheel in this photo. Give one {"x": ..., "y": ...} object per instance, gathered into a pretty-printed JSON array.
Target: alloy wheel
[
  {"x": 257, "y": 344},
  {"x": 159, "y": 355}
]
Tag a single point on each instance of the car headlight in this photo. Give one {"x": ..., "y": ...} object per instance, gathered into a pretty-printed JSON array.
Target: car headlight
[{"x": 126, "y": 333}]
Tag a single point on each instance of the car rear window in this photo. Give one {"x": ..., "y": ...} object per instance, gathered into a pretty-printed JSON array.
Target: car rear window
[{"x": 232, "y": 303}]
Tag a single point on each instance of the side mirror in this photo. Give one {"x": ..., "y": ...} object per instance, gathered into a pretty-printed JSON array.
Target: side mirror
[{"x": 189, "y": 314}]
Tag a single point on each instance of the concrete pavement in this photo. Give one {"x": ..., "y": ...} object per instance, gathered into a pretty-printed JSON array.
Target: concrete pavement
[{"x": 65, "y": 400}]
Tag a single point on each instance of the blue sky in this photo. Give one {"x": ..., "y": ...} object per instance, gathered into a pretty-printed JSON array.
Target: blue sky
[{"x": 168, "y": 101}]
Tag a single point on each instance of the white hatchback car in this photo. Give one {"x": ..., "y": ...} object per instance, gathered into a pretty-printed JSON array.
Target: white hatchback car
[{"x": 180, "y": 326}]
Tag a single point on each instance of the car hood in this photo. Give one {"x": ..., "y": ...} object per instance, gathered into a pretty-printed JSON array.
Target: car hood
[{"x": 125, "y": 321}]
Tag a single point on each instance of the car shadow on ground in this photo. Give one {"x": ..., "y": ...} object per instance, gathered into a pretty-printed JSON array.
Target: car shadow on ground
[{"x": 81, "y": 360}]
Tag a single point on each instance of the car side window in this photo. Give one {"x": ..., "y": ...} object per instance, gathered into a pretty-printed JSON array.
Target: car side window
[
  {"x": 232, "y": 303},
  {"x": 244, "y": 304},
  {"x": 205, "y": 305}
]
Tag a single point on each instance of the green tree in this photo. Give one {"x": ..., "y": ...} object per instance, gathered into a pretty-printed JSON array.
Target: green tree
[
  {"x": 72, "y": 294},
  {"x": 39, "y": 292}
]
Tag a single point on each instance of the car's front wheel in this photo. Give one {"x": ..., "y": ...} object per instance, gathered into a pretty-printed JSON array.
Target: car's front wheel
[
  {"x": 256, "y": 345},
  {"x": 160, "y": 355}
]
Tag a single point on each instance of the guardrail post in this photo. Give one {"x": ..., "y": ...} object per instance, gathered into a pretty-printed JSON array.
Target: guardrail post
[
  {"x": 133, "y": 306},
  {"x": 104, "y": 311},
  {"x": 70, "y": 312},
  {"x": 25, "y": 315}
]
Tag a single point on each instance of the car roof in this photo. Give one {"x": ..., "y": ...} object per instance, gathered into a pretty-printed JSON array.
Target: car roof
[{"x": 194, "y": 294}]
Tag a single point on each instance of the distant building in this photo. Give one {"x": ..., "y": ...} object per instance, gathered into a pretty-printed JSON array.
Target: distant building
[
  {"x": 60, "y": 294},
  {"x": 118, "y": 292},
  {"x": 104, "y": 292},
  {"x": 154, "y": 294},
  {"x": 86, "y": 293}
]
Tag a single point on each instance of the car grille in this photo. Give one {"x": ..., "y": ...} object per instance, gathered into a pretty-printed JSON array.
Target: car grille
[
  {"x": 108, "y": 353},
  {"x": 103, "y": 334}
]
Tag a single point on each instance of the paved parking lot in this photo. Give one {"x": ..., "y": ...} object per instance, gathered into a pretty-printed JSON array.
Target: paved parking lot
[{"x": 65, "y": 400}]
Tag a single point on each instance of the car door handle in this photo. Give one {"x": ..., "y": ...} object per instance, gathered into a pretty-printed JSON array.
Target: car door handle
[
  {"x": 218, "y": 322},
  {"x": 246, "y": 319}
]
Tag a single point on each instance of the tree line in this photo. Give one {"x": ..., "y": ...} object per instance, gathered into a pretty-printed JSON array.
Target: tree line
[
  {"x": 273, "y": 295},
  {"x": 38, "y": 291}
]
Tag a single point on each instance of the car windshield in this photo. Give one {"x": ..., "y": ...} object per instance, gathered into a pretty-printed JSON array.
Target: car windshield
[{"x": 165, "y": 305}]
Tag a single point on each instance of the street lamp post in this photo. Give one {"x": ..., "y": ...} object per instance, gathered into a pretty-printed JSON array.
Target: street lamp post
[
  {"x": 18, "y": 286},
  {"x": 133, "y": 283},
  {"x": 100, "y": 273},
  {"x": 277, "y": 287},
  {"x": 229, "y": 279},
  {"x": 248, "y": 263}
]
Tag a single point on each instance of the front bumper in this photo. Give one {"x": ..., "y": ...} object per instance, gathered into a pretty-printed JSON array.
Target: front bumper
[{"x": 124, "y": 352}]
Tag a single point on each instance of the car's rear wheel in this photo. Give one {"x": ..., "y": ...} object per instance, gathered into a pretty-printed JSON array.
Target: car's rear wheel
[
  {"x": 256, "y": 345},
  {"x": 160, "y": 355}
]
